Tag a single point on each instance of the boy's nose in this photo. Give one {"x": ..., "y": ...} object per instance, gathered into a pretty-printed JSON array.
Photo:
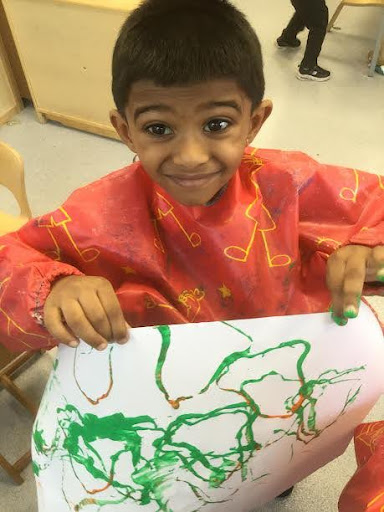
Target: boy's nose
[{"x": 190, "y": 153}]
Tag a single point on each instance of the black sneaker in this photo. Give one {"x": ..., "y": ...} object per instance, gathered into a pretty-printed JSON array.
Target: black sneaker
[
  {"x": 283, "y": 43},
  {"x": 317, "y": 74},
  {"x": 286, "y": 493}
]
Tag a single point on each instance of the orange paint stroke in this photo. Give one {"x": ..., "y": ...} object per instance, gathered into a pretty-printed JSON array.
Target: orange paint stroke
[
  {"x": 241, "y": 254},
  {"x": 235, "y": 252},
  {"x": 13, "y": 323},
  {"x": 87, "y": 255},
  {"x": 150, "y": 303},
  {"x": 129, "y": 271},
  {"x": 278, "y": 260},
  {"x": 329, "y": 241},
  {"x": 369, "y": 439},
  {"x": 108, "y": 484},
  {"x": 295, "y": 407},
  {"x": 225, "y": 292},
  {"x": 91, "y": 501},
  {"x": 191, "y": 299},
  {"x": 105, "y": 395},
  {"x": 193, "y": 238},
  {"x": 254, "y": 162},
  {"x": 348, "y": 193},
  {"x": 375, "y": 500},
  {"x": 175, "y": 404},
  {"x": 157, "y": 240}
]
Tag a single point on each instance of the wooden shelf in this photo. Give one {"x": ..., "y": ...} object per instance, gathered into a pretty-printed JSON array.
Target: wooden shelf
[
  {"x": 10, "y": 101},
  {"x": 112, "y": 5},
  {"x": 65, "y": 48}
]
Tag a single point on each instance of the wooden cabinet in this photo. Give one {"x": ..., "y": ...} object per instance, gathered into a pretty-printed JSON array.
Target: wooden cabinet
[
  {"x": 65, "y": 47},
  {"x": 13, "y": 56},
  {"x": 10, "y": 102}
]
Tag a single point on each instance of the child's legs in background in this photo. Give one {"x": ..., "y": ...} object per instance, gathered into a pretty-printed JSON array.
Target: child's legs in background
[
  {"x": 314, "y": 14},
  {"x": 381, "y": 56},
  {"x": 295, "y": 26}
]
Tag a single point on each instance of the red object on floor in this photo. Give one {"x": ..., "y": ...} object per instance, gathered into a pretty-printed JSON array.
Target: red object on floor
[{"x": 365, "y": 491}]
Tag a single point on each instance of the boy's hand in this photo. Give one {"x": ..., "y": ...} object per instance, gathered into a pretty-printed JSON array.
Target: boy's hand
[
  {"x": 347, "y": 271},
  {"x": 86, "y": 308}
]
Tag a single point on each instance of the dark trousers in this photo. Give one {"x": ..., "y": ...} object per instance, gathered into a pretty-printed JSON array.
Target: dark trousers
[{"x": 312, "y": 14}]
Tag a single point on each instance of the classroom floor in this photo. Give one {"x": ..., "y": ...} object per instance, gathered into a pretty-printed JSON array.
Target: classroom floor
[{"x": 338, "y": 122}]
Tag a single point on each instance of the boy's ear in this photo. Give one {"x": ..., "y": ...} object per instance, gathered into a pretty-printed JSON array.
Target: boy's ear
[
  {"x": 258, "y": 117},
  {"x": 121, "y": 126}
]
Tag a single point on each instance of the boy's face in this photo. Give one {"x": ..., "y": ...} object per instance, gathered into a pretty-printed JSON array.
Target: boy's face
[{"x": 190, "y": 139}]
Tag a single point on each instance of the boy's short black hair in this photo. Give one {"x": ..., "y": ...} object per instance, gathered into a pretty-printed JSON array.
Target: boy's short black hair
[{"x": 181, "y": 42}]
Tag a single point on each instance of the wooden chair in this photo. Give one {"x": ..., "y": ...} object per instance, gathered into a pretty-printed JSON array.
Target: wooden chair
[
  {"x": 12, "y": 177},
  {"x": 380, "y": 35},
  {"x": 9, "y": 365}
]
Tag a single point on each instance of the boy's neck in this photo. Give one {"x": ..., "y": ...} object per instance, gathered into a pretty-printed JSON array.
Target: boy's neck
[{"x": 217, "y": 196}]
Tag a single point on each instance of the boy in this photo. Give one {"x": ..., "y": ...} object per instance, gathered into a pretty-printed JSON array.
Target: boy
[
  {"x": 203, "y": 227},
  {"x": 313, "y": 15}
]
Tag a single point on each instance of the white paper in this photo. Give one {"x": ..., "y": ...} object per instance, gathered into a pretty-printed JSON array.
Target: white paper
[{"x": 218, "y": 417}]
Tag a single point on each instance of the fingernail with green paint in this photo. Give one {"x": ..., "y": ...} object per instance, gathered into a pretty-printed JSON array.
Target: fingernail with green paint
[
  {"x": 351, "y": 312},
  {"x": 380, "y": 275},
  {"x": 339, "y": 320}
]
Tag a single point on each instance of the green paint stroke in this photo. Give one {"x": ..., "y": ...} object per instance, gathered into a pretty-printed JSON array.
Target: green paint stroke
[
  {"x": 165, "y": 332},
  {"x": 151, "y": 477},
  {"x": 339, "y": 320}
]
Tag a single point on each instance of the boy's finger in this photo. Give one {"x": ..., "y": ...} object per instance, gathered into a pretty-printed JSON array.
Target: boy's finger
[
  {"x": 80, "y": 325},
  {"x": 377, "y": 258},
  {"x": 54, "y": 323},
  {"x": 96, "y": 315},
  {"x": 112, "y": 308},
  {"x": 337, "y": 309},
  {"x": 354, "y": 279},
  {"x": 335, "y": 281}
]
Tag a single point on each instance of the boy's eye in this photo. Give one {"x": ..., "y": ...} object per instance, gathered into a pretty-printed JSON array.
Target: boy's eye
[
  {"x": 158, "y": 130},
  {"x": 216, "y": 125}
]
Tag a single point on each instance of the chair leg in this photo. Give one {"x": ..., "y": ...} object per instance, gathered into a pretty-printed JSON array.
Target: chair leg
[
  {"x": 12, "y": 472},
  {"x": 15, "y": 391},
  {"x": 376, "y": 52},
  {"x": 23, "y": 462},
  {"x": 335, "y": 16},
  {"x": 6, "y": 373}
]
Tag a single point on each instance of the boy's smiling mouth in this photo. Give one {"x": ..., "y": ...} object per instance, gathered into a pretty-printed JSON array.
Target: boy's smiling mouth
[{"x": 194, "y": 180}]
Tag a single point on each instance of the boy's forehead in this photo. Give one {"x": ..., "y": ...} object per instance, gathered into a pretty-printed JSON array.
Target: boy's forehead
[{"x": 196, "y": 96}]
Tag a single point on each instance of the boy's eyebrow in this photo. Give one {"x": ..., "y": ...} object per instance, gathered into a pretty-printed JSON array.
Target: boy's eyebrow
[
  {"x": 161, "y": 107},
  {"x": 229, "y": 103},
  {"x": 158, "y": 107}
]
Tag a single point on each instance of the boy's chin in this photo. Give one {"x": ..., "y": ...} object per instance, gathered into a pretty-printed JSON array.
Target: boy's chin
[
  {"x": 194, "y": 200},
  {"x": 196, "y": 197}
]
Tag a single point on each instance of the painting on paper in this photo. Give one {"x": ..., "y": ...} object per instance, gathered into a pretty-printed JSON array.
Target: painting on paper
[{"x": 219, "y": 416}]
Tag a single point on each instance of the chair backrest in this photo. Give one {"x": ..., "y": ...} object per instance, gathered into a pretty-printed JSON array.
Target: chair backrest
[
  {"x": 368, "y": 3},
  {"x": 12, "y": 177}
]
